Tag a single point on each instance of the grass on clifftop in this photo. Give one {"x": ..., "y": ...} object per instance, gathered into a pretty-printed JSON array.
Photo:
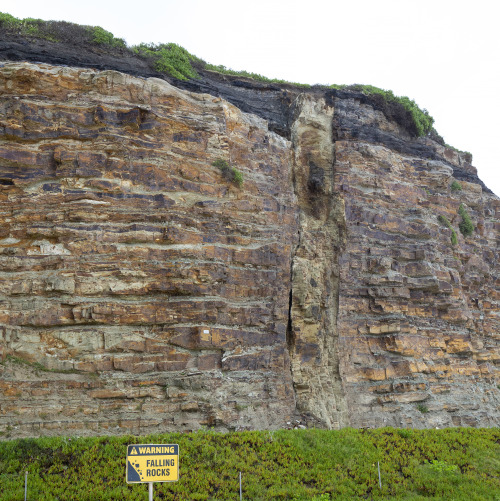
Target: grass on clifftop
[
  {"x": 59, "y": 31},
  {"x": 175, "y": 61},
  {"x": 462, "y": 464}
]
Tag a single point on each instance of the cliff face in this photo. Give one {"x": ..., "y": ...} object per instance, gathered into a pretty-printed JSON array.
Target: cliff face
[
  {"x": 141, "y": 290},
  {"x": 418, "y": 315}
]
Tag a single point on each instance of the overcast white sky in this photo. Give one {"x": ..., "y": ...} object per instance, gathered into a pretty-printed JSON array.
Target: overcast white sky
[{"x": 444, "y": 54}]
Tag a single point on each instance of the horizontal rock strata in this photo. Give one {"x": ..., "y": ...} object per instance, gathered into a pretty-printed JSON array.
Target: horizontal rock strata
[
  {"x": 143, "y": 290},
  {"x": 418, "y": 314}
]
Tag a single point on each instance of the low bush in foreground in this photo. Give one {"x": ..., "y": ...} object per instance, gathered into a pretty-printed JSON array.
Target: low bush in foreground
[{"x": 458, "y": 463}]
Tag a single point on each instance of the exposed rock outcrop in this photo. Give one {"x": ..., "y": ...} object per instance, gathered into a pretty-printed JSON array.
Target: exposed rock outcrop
[
  {"x": 129, "y": 261},
  {"x": 142, "y": 291}
]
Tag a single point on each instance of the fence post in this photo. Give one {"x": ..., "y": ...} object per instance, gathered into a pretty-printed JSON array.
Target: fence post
[{"x": 25, "y": 485}]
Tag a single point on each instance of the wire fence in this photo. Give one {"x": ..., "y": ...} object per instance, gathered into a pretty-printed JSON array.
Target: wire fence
[
  {"x": 44, "y": 487},
  {"x": 35, "y": 487},
  {"x": 31, "y": 487},
  {"x": 18, "y": 486},
  {"x": 20, "y": 481}
]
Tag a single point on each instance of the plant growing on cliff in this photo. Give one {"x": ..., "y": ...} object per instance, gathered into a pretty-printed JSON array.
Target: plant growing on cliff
[
  {"x": 102, "y": 37},
  {"x": 230, "y": 173},
  {"x": 60, "y": 31},
  {"x": 6, "y": 20},
  {"x": 466, "y": 226},
  {"x": 422, "y": 408},
  {"x": 29, "y": 27},
  {"x": 466, "y": 154},
  {"x": 421, "y": 119},
  {"x": 177, "y": 62},
  {"x": 456, "y": 186},
  {"x": 37, "y": 366},
  {"x": 169, "y": 58},
  {"x": 220, "y": 68},
  {"x": 444, "y": 220}
]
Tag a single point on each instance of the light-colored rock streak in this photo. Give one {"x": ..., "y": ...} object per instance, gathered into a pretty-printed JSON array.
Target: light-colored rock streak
[{"x": 313, "y": 336}]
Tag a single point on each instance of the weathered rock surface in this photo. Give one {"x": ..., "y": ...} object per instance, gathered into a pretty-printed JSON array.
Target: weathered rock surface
[
  {"x": 418, "y": 316},
  {"x": 152, "y": 293},
  {"x": 141, "y": 291}
]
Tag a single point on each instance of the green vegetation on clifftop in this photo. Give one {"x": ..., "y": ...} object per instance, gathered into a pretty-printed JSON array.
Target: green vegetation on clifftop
[
  {"x": 254, "y": 76},
  {"x": 285, "y": 464},
  {"x": 59, "y": 31},
  {"x": 422, "y": 120},
  {"x": 175, "y": 61},
  {"x": 170, "y": 58}
]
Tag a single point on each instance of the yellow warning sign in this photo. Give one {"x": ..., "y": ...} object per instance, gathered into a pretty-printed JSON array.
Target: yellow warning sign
[{"x": 152, "y": 463}]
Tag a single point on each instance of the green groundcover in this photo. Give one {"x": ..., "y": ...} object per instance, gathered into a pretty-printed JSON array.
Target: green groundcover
[{"x": 449, "y": 464}]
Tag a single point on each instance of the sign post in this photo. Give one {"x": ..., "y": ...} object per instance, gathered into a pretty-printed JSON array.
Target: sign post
[{"x": 148, "y": 463}]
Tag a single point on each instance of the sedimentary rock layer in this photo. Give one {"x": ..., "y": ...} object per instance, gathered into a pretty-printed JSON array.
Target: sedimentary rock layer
[
  {"x": 142, "y": 290},
  {"x": 418, "y": 314}
]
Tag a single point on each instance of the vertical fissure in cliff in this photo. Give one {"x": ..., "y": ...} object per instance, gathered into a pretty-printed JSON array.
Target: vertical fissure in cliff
[
  {"x": 312, "y": 325},
  {"x": 290, "y": 340}
]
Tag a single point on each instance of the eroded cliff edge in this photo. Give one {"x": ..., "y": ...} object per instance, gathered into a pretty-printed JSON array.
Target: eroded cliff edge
[{"x": 330, "y": 291}]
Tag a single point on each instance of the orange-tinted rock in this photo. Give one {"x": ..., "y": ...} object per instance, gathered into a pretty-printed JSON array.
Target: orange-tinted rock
[
  {"x": 123, "y": 244},
  {"x": 141, "y": 291}
]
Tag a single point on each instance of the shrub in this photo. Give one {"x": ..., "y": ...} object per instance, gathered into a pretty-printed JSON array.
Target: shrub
[
  {"x": 456, "y": 186},
  {"x": 230, "y": 173},
  {"x": 60, "y": 31},
  {"x": 289, "y": 464},
  {"x": 444, "y": 220},
  {"x": 238, "y": 177},
  {"x": 437, "y": 465},
  {"x": 170, "y": 58},
  {"x": 404, "y": 433},
  {"x": 28, "y": 26},
  {"x": 102, "y": 37},
  {"x": 461, "y": 152},
  {"x": 422, "y": 408},
  {"x": 466, "y": 226},
  {"x": 6, "y": 20}
]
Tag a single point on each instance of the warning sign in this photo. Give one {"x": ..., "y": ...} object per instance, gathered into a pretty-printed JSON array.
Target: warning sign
[{"x": 152, "y": 463}]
